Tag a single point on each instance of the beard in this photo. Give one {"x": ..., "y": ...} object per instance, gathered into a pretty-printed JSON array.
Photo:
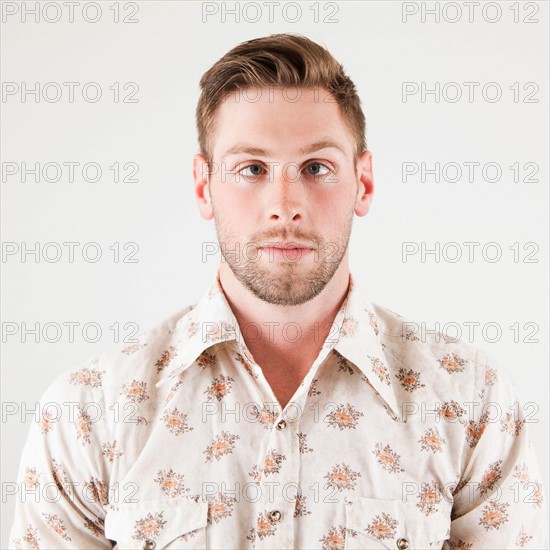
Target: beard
[{"x": 283, "y": 282}]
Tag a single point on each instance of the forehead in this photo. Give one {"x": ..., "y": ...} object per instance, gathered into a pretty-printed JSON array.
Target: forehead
[{"x": 280, "y": 120}]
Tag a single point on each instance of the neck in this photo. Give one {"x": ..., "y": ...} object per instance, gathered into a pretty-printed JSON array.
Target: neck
[{"x": 314, "y": 317}]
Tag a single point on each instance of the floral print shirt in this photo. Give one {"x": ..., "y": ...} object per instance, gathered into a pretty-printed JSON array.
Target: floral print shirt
[{"x": 392, "y": 440}]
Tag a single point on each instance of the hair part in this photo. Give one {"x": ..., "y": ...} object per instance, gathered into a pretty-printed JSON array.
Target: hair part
[{"x": 278, "y": 60}]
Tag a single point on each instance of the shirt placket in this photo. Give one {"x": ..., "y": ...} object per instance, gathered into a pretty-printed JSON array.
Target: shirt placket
[{"x": 275, "y": 507}]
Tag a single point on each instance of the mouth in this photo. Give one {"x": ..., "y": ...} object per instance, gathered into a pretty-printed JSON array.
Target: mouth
[
  {"x": 289, "y": 246},
  {"x": 287, "y": 252}
]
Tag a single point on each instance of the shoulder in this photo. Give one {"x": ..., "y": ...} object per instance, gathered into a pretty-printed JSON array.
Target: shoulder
[
  {"x": 446, "y": 365},
  {"x": 130, "y": 370}
]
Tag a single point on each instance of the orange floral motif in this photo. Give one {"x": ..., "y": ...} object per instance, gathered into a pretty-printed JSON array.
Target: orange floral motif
[
  {"x": 136, "y": 391},
  {"x": 523, "y": 538},
  {"x": 273, "y": 461},
  {"x": 149, "y": 527},
  {"x": 265, "y": 527},
  {"x": 133, "y": 348},
  {"x": 206, "y": 359},
  {"x": 491, "y": 376},
  {"x": 165, "y": 358},
  {"x": 46, "y": 422},
  {"x": 31, "y": 538},
  {"x": 264, "y": 416},
  {"x": 300, "y": 508},
  {"x": 536, "y": 497},
  {"x": 429, "y": 498},
  {"x": 313, "y": 388},
  {"x": 460, "y": 545},
  {"x": 343, "y": 364},
  {"x": 474, "y": 430},
  {"x": 94, "y": 528},
  {"x": 87, "y": 377},
  {"x": 521, "y": 473},
  {"x": 220, "y": 332},
  {"x": 31, "y": 479},
  {"x": 349, "y": 326},
  {"x": 510, "y": 425},
  {"x": 60, "y": 475},
  {"x": 173, "y": 391},
  {"x": 335, "y": 539},
  {"x": 380, "y": 369},
  {"x": 176, "y": 421},
  {"x": 246, "y": 365},
  {"x": 448, "y": 339},
  {"x": 452, "y": 362},
  {"x": 344, "y": 416},
  {"x": 220, "y": 507},
  {"x": 432, "y": 441},
  {"x": 373, "y": 322},
  {"x": 303, "y": 443},
  {"x": 219, "y": 388},
  {"x": 192, "y": 329},
  {"x": 83, "y": 426},
  {"x": 56, "y": 523},
  {"x": 97, "y": 491},
  {"x": 341, "y": 477},
  {"x": 221, "y": 445},
  {"x": 171, "y": 483},
  {"x": 382, "y": 527},
  {"x": 494, "y": 515},
  {"x": 410, "y": 379},
  {"x": 451, "y": 411},
  {"x": 140, "y": 420},
  {"x": 188, "y": 536},
  {"x": 256, "y": 473},
  {"x": 410, "y": 336},
  {"x": 491, "y": 477},
  {"x": 110, "y": 451},
  {"x": 215, "y": 289},
  {"x": 387, "y": 458}
]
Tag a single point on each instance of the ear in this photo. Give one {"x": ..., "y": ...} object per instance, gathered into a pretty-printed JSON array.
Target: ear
[
  {"x": 365, "y": 183},
  {"x": 202, "y": 187}
]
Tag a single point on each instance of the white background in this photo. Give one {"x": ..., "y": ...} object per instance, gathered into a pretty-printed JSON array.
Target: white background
[{"x": 165, "y": 52}]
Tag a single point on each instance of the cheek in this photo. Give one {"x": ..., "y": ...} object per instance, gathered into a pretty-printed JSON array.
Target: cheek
[
  {"x": 234, "y": 209},
  {"x": 331, "y": 205}
]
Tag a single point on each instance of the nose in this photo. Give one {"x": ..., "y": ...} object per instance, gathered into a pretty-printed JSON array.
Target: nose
[{"x": 285, "y": 197}]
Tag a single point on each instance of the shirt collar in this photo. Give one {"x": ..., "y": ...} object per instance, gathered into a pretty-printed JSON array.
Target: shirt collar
[{"x": 357, "y": 331}]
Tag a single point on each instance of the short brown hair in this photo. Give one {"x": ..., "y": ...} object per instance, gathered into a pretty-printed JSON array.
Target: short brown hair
[{"x": 286, "y": 60}]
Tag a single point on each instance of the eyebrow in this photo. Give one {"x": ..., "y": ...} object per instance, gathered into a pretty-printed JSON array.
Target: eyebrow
[{"x": 256, "y": 151}]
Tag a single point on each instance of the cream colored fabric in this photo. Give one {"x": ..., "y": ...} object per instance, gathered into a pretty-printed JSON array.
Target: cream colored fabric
[{"x": 177, "y": 442}]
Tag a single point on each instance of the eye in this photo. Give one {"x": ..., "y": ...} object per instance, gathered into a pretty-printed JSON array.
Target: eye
[
  {"x": 255, "y": 170},
  {"x": 317, "y": 169}
]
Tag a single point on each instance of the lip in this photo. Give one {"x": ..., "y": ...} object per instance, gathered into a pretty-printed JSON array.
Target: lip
[
  {"x": 287, "y": 254},
  {"x": 289, "y": 246}
]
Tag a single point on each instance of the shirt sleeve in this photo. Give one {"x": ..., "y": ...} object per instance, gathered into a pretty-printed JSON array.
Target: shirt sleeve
[
  {"x": 499, "y": 501},
  {"x": 63, "y": 475}
]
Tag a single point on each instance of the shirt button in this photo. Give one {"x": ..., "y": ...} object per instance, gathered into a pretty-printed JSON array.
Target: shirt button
[
  {"x": 402, "y": 544},
  {"x": 281, "y": 425},
  {"x": 275, "y": 515},
  {"x": 149, "y": 544}
]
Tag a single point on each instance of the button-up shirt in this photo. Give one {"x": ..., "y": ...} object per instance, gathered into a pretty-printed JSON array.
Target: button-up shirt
[{"x": 394, "y": 439}]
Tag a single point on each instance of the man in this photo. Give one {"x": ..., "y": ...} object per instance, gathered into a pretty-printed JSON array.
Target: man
[{"x": 284, "y": 409}]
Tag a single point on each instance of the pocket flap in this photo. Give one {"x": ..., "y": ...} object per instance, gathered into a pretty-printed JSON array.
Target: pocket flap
[
  {"x": 387, "y": 521},
  {"x": 161, "y": 521}
]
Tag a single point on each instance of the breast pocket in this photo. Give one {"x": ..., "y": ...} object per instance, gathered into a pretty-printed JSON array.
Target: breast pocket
[
  {"x": 154, "y": 524},
  {"x": 376, "y": 523}
]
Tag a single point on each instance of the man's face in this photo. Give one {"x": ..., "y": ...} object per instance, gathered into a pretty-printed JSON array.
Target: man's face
[{"x": 284, "y": 173}]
